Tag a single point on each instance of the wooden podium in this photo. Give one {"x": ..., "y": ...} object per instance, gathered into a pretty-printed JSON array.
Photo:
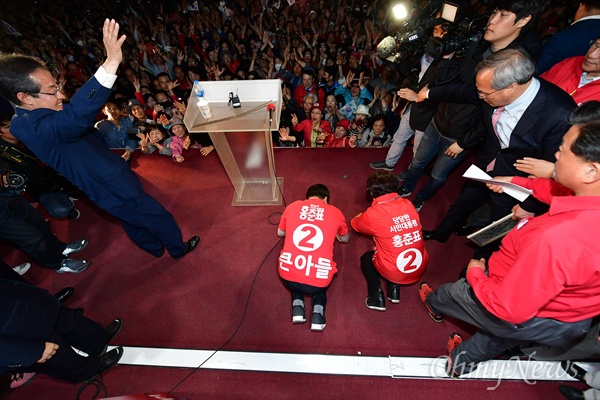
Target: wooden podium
[{"x": 242, "y": 136}]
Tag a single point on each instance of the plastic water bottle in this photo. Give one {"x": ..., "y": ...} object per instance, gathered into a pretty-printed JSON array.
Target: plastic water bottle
[{"x": 202, "y": 102}]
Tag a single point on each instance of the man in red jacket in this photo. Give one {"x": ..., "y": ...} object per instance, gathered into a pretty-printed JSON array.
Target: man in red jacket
[
  {"x": 579, "y": 76},
  {"x": 542, "y": 284},
  {"x": 309, "y": 86}
]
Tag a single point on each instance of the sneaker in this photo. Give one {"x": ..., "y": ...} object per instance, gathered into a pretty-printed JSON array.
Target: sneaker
[
  {"x": 298, "y": 316},
  {"x": 381, "y": 165},
  {"x": 72, "y": 266},
  {"x": 424, "y": 291},
  {"x": 318, "y": 322},
  {"x": 402, "y": 192},
  {"x": 401, "y": 176},
  {"x": 453, "y": 341},
  {"x": 393, "y": 292},
  {"x": 19, "y": 379},
  {"x": 75, "y": 247},
  {"x": 376, "y": 302},
  {"x": 418, "y": 203},
  {"x": 22, "y": 268},
  {"x": 74, "y": 214}
]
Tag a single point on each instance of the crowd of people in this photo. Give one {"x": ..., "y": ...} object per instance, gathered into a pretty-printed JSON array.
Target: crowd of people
[{"x": 524, "y": 100}]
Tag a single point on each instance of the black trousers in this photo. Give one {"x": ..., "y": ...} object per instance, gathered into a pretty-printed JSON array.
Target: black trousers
[
  {"x": 473, "y": 196},
  {"x": 319, "y": 294},
  {"x": 73, "y": 329},
  {"x": 150, "y": 226},
  {"x": 24, "y": 226},
  {"x": 371, "y": 274},
  {"x": 70, "y": 329}
]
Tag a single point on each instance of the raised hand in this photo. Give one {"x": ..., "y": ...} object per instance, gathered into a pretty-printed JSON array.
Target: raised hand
[
  {"x": 283, "y": 134},
  {"x": 112, "y": 44},
  {"x": 144, "y": 142},
  {"x": 172, "y": 85},
  {"x": 180, "y": 106},
  {"x": 136, "y": 83}
]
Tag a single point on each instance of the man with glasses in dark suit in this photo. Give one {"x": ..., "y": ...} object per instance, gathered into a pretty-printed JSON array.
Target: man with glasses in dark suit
[{"x": 58, "y": 135}]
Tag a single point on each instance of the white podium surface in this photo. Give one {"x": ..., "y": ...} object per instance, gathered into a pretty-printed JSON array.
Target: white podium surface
[{"x": 242, "y": 136}]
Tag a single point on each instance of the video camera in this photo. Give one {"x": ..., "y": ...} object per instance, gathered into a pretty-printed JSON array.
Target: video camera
[{"x": 458, "y": 38}]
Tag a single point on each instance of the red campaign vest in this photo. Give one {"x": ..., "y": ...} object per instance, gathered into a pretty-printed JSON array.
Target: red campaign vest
[
  {"x": 400, "y": 254},
  {"x": 311, "y": 227}
]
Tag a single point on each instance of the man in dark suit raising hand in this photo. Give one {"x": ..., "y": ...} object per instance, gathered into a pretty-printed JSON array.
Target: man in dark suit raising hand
[{"x": 58, "y": 135}]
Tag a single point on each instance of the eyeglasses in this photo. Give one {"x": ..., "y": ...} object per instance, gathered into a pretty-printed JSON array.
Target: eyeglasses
[
  {"x": 58, "y": 89},
  {"x": 484, "y": 94}
]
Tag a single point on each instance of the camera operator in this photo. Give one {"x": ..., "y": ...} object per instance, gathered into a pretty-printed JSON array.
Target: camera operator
[
  {"x": 416, "y": 116},
  {"x": 511, "y": 25}
]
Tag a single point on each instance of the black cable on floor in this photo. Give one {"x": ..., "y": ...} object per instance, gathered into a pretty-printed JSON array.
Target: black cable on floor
[
  {"x": 98, "y": 382},
  {"x": 241, "y": 320}
]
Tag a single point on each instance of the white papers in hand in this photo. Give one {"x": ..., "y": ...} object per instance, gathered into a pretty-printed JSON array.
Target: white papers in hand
[{"x": 516, "y": 191}]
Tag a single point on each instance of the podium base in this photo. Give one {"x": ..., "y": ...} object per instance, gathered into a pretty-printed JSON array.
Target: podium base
[{"x": 259, "y": 193}]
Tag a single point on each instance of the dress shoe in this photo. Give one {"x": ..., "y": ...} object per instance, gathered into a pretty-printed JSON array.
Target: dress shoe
[
  {"x": 64, "y": 294},
  {"x": 571, "y": 392},
  {"x": 110, "y": 358},
  {"x": 464, "y": 230},
  {"x": 113, "y": 328},
  {"x": 573, "y": 370},
  {"x": 430, "y": 235},
  {"x": 191, "y": 245}
]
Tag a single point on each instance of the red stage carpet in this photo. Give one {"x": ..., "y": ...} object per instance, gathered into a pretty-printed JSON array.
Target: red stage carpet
[{"x": 199, "y": 301}]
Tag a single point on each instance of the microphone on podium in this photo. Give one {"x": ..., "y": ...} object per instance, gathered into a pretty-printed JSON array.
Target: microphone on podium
[{"x": 271, "y": 107}]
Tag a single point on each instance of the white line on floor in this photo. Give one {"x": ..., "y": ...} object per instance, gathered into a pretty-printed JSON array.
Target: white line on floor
[{"x": 397, "y": 367}]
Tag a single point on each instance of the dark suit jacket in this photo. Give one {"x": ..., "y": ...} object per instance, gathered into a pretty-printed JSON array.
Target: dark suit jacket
[
  {"x": 27, "y": 318},
  {"x": 571, "y": 42},
  {"x": 61, "y": 140},
  {"x": 422, "y": 113},
  {"x": 538, "y": 134}
]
